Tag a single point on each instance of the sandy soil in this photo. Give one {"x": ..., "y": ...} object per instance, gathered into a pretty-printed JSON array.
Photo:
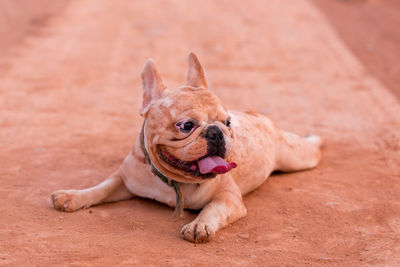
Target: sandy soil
[
  {"x": 69, "y": 99},
  {"x": 370, "y": 29}
]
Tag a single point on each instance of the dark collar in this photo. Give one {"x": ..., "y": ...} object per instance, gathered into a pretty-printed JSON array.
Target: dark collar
[{"x": 176, "y": 185}]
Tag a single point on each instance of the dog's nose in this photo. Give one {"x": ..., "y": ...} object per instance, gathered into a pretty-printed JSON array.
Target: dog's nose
[
  {"x": 214, "y": 134},
  {"x": 215, "y": 141}
]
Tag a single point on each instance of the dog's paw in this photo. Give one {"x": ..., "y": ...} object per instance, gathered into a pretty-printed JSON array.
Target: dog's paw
[
  {"x": 197, "y": 232},
  {"x": 66, "y": 200}
]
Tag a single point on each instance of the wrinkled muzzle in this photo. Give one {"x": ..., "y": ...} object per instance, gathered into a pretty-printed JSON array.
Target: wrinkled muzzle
[{"x": 216, "y": 149}]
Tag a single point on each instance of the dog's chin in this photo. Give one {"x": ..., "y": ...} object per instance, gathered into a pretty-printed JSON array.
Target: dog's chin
[{"x": 187, "y": 169}]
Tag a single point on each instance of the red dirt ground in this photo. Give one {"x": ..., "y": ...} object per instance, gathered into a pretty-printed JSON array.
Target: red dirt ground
[
  {"x": 69, "y": 99},
  {"x": 370, "y": 29}
]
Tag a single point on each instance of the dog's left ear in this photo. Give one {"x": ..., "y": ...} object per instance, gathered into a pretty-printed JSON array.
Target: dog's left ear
[
  {"x": 195, "y": 75},
  {"x": 153, "y": 86}
]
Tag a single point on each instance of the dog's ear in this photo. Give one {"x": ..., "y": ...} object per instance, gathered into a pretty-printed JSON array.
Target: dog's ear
[
  {"x": 152, "y": 84},
  {"x": 195, "y": 75}
]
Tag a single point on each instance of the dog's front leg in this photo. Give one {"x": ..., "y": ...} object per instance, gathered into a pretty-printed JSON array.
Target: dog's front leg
[
  {"x": 226, "y": 207},
  {"x": 112, "y": 189}
]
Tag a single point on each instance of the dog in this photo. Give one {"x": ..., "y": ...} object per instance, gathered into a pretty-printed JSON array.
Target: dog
[{"x": 193, "y": 153}]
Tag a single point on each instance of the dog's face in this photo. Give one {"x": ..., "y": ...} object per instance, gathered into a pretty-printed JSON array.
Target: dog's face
[{"x": 187, "y": 132}]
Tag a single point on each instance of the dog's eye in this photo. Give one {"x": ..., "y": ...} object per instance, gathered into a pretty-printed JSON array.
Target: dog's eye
[
  {"x": 228, "y": 122},
  {"x": 188, "y": 126},
  {"x": 185, "y": 126}
]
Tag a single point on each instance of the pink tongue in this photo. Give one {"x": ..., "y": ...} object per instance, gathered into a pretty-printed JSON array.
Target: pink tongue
[{"x": 215, "y": 164}]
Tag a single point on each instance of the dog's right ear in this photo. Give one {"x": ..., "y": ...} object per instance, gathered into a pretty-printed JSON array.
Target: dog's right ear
[{"x": 152, "y": 84}]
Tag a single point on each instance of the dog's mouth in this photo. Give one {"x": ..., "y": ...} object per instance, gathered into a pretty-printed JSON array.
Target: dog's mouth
[{"x": 205, "y": 167}]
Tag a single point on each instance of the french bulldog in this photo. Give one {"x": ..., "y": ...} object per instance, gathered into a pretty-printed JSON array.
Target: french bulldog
[{"x": 193, "y": 153}]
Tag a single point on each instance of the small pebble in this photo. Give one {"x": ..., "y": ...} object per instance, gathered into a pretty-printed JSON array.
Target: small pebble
[{"x": 244, "y": 235}]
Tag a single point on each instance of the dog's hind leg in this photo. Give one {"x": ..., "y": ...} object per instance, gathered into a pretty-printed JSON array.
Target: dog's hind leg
[
  {"x": 112, "y": 189},
  {"x": 297, "y": 153}
]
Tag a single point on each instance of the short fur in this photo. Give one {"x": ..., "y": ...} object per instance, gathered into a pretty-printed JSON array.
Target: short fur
[{"x": 252, "y": 141}]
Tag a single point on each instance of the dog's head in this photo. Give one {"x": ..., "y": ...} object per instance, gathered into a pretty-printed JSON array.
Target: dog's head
[{"x": 187, "y": 132}]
